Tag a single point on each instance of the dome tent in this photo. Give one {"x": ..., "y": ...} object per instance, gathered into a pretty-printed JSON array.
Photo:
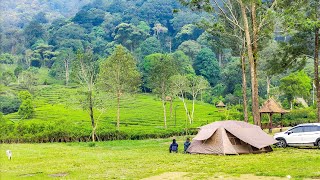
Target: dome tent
[{"x": 230, "y": 137}]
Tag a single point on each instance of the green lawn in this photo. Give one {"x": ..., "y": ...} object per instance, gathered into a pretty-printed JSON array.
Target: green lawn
[{"x": 147, "y": 158}]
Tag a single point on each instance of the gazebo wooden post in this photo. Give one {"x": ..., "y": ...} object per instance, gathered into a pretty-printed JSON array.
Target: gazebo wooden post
[
  {"x": 281, "y": 122},
  {"x": 270, "y": 122}
]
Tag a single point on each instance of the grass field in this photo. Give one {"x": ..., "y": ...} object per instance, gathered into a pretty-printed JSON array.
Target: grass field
[{"x": 146, "y": 159}]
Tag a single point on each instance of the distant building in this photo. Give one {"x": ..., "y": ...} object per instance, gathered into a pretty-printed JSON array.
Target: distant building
[{"x": 220, "y": 105}]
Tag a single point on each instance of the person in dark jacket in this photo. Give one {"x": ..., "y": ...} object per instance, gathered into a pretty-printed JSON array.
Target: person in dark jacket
[
  {"x": 186, "y": 145},
  {"x": 173, "y": 146}
]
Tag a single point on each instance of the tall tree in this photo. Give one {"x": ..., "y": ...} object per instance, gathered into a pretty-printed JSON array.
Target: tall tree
[
  {"x": 206, "y": 65},
  {"x": 129, "y": 35},
  {"x": 33, "y": 32},
  {"x": 85, "y": 71},
  {"x": 296, "y": 84},
  {"x": 161, "y": 68},
  {"x": 26, "y": 109},
  {"x": 254, "y": 30},
  {"x": 303, "y": 17},
  {"x": 190, "y": 48},
  {"x": 179, "y": 87},
  {"x": 119, "y": 75},
  {"x": 197, "y": 84}
]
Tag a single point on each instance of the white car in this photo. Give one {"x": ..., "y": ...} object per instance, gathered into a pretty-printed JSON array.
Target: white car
[{"x": 301, "y": 135}]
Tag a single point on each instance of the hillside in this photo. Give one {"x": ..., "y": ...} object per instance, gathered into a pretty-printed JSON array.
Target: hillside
[
  {"x": 17, "y": 14},
  {"x": 59, "y": 117}
]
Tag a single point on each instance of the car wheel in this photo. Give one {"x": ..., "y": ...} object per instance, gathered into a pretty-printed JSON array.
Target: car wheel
[
  {"x": 282, "y": 143},
  {"x": 318, "y": 144}
]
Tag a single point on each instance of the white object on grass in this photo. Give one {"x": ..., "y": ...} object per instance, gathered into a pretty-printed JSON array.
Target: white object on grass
[{"x": 9, "y": 154}]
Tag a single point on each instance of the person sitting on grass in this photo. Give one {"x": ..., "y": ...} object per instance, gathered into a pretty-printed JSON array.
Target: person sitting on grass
[
  {"x": 173, "y": 146},
  {"x": 186, "y": 145}
]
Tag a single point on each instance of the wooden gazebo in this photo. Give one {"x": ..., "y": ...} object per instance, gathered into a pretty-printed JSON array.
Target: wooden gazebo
[
  {"x": 271, "y": 107},
  {"x": 220, "y": 105}
]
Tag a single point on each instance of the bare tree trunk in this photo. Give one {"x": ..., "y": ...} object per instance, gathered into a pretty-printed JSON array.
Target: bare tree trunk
[
  {"x": 244, "y": 87},
  {"x": 91, "y": 115},
  {"x": 193, "y": 102},
  {"x": 118, "y": 110},
  {"x": 164, "y": 113},
  {"x": 255, "y": 102},
  {"x": 316, "y": 71},
  {"x": 185, "y": 107},
  {"x": 268, "y": 86}
]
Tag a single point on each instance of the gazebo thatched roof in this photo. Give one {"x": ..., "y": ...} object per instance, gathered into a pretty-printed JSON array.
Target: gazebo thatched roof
[
  {"x": 220, "y": 104},
  {"x": 271, "y": 106}
]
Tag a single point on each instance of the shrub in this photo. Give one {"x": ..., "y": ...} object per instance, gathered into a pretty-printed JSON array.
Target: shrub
[
  {"x": 9, "y": 104},
  {"x": 26, "y": 109},
  {"x": 91, "y": 144}
]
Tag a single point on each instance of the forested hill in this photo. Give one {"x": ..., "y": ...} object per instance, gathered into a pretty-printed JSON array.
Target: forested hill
[
  {"x": 40, "y": 38},
  {"x": 17, "y": 14}
]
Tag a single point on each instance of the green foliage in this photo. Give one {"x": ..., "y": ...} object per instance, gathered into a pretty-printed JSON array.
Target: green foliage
[
  {"x": 85, "y": 69},
  {"x": 7, "y": 77},
  {"x": 157, "y": 11},
  {"x": 42, "y": 55},
  {"x": 89, "y": 18},
  {"x": 33, "y": 32},
  {"x": 29, "y": 79},
  {"x": 185, "y": 64},
  {"x": 7, "y": 58},
  {"x": 91, "y": 144},
  {"x": 206, "y": 65},
  {"x": 150, "y": 46},
  {"x": 119, "y": 72},
  {"x": 69, "y": 35},
  {"x": 296, "y": 84},
  {"x": 17, "y": 71},
  {"x": 40, "y": 18},
  {"x": 162, "y": 67},
  {"x": 188, "y": 32},
  {"x": 230, "y": 76},
  {"x": 144, "y": 27},
  {"x": 26, "y": 109},
  {"x": 129, "y": 35},
  {"x": 190, "y": 48},
  {"x": 9, "y": 104},
  {"x": 62, "y": 64}
]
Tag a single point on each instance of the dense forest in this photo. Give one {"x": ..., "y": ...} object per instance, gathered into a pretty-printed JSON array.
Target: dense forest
[{"x": 182, "y": 50}]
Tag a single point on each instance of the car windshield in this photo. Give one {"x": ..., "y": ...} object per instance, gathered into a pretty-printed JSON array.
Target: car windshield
[{"x": 296, "y": 130}]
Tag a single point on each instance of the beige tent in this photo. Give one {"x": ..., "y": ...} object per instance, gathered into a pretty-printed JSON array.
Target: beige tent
[{"x": 230, "y": 137}]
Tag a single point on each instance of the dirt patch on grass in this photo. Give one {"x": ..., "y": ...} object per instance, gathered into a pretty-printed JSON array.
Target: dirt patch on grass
[
  {"x": 185, "y": 175},
  {"x": 29, "y": 174},
  {"x": 59, "y": 174},
  {"x": 169, "y": 175}
]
